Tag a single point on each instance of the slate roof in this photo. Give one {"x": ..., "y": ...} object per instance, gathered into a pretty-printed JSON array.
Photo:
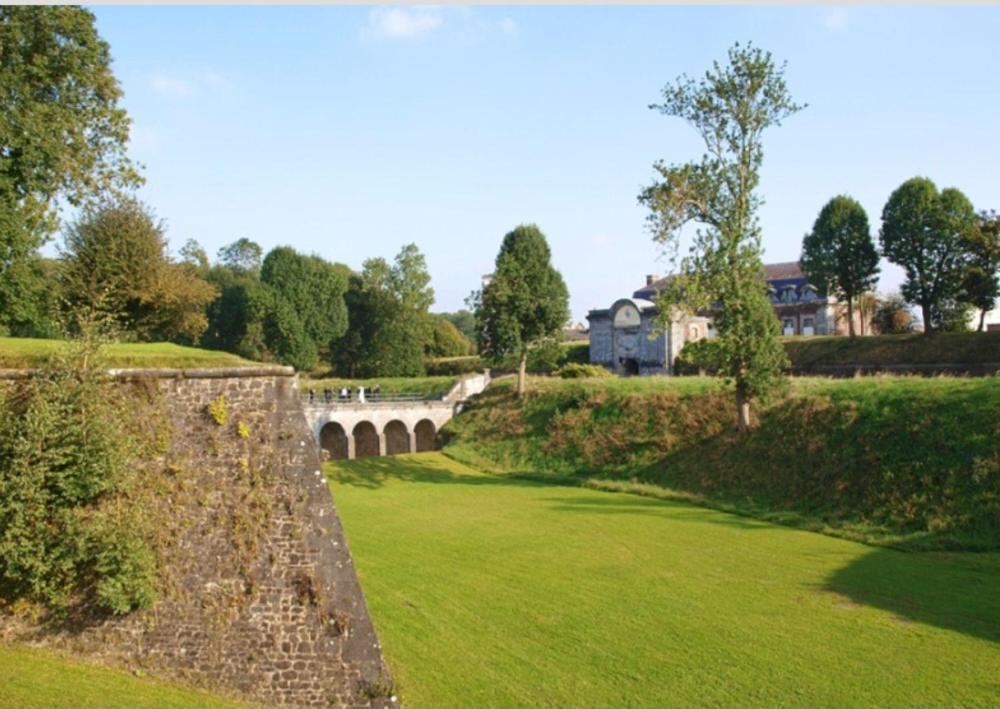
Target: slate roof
[{"x": 789, "y": 270}]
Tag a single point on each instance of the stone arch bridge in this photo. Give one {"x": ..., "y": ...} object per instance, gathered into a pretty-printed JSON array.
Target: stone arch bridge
[{"x": 354, "y": 429}]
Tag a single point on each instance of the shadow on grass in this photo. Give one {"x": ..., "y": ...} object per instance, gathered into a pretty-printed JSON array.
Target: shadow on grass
[
  {"x": 375, "y": 472},
  {"x": 624, "y": 503},
  {"x": 956, "y": 592}
]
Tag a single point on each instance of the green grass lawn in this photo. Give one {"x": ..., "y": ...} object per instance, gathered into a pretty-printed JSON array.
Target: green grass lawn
[
  {"x": 497, "y": 591},
  {"x": 428, "y": 387},
  {"x": 27, "y": 352},
  {"x": 34, "y": 678}
]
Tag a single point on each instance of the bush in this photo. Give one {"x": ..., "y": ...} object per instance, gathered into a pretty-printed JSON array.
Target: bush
[
  {"x": 576, "y": 352},
  {"x": 547, "y": 357},
  {"x": 892, "y": 316},
  {"x": 70, "y": 537},
  {"x": 698, "y": 357},
  {"x": 582, "y": 371}
]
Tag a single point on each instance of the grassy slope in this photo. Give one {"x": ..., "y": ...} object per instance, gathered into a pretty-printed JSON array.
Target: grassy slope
[
  {"x": 26, "y": 352},
  {"x": 33, "y": 678},
  {"x": 430, "y": 387},
  {"x": 940, "y": 348},
  {"x": 498, "y": 591},
  {"x": 906, "y": 461}
]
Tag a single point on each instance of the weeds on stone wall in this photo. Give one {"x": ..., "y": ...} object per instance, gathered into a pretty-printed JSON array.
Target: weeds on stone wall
[{"x": 72, "y": 540}]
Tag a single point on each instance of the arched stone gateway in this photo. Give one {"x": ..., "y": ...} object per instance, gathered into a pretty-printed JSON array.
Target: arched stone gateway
[
  {"x": 333, "y": 439},
  {"x": 425, "y": 435},
  {"x": 366, "y": 443},
  {"x": 397, "y": 438}
]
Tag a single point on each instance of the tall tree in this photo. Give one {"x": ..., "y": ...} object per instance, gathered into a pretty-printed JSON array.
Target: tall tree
[
  {"x": 116, "y": 262},
  {"x": 839, "y": 252},
  {"x": 981, "y": 280},
  {"x": 464, "y": 320},
  {"x": 389, "y": 319},
  {"x": 62, "y": 138},
  {"x": 242, "y": 255},
  {"x": 446, "y": 340},
  {"x": 730, "y": 106},
  {"x": 924, "y": 231},
  {"x": 525, "y": 301},
  {"x": 313, "y": 287}
]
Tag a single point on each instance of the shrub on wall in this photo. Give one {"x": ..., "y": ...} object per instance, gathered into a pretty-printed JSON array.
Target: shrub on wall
[{"x": 69, "y": 536}]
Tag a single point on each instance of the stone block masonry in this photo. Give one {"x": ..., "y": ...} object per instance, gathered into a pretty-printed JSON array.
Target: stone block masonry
[{"x": 260, "y": 597}]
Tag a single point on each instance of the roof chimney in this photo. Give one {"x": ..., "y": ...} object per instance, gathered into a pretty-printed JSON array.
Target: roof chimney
[{"x": 650, "y": 277}]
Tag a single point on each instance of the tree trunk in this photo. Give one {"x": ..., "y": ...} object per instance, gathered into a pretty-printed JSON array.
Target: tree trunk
[
  {"x": 982, "y": 320},
  {"x": 850, "y": 316},
  {"x": 742, "y": 410},
  {"x": 925, "y": 312},
  {"x": 522, "y": 367}
]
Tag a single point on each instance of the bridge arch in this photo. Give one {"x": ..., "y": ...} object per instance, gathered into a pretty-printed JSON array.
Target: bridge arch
[
  {"x": 426, "y": 434},
  {"x": 333, "y": 439},
  {"x": 366, "y": 440},
  {"x": 397, "y": 438}
]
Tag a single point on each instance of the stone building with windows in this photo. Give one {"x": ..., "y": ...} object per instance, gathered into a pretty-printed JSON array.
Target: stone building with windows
[{"x": 625, "y": 339}]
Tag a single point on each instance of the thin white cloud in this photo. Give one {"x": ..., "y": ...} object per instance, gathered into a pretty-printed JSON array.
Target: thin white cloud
[
  {"x": 178, "y": 87},
  {"x": 171, "y": 86},
  {"x": 836, "y": 20},
  {"x": 402, "y": 23},
  {"x": 508, "y": 26}
]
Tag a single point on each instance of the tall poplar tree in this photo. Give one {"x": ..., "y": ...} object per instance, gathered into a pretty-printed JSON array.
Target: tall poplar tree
[
  {"x": 839, "y": 253},
  {"x": 730, "y": 106},
  {"x": 525, "y": 301}
]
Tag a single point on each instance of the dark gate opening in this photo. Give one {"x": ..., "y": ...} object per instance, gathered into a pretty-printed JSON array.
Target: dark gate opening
[
  {"x": 333, "y": 439},
  {"x": 365, "y": 440},
  {"x": 397, "y": 438},
  {"x": 426, "y": 435}
]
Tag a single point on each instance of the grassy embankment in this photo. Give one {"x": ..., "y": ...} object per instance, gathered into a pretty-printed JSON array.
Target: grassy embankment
[
  {"x": 908, "y": 462},
  {"x": 26, "y": 352},
  {"x": 499, "y": 591},
  {"x": 939, "y": 348},
  {"x": 35, "y": 678}
]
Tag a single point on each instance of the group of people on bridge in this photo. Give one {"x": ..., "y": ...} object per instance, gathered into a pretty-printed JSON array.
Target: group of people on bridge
[{"x": 346, "y": 394}]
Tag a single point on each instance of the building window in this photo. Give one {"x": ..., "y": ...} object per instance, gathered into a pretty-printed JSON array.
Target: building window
[{"x": 788, "y": 326}]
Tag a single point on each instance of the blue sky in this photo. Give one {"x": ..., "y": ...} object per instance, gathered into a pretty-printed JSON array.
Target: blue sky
[{"x": 351, "y": 131}]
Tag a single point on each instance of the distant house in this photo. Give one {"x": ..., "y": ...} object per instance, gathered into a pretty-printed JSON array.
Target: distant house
[{"x": 625, "y": 339}]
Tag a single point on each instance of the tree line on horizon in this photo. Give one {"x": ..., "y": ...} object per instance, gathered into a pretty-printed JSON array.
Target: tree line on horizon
[{"x": 949, "y": 251}]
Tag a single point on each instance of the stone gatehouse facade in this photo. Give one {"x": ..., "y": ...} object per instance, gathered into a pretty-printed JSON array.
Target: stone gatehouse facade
[{"x": 625, "y": 339}]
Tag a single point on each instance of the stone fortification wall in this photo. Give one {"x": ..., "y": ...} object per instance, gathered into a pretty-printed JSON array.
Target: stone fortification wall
[{"x": 260, "y": 597}]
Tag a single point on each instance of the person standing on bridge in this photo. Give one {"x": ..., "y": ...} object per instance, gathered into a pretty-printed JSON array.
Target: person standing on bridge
[
  {"x": 361, "y": 395},
  {"x": 376, "y": 392}
]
